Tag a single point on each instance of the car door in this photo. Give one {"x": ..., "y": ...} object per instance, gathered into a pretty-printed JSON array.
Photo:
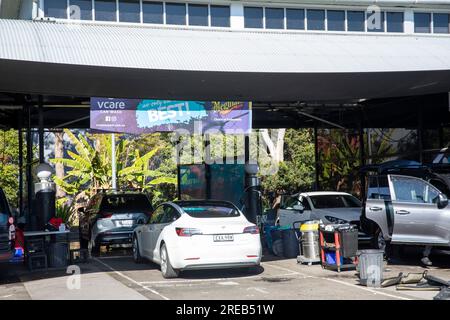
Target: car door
[
  {"x": 418, "y": 220},
  {"x": 169, "y": 216},
  {"x": 378, "y": 206},
  {"x": 287, "y": 213},
  {"x": 147, "y": 231}
]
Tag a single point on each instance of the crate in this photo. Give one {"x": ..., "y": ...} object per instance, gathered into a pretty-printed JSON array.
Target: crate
[{"x": 37, "y": 261}]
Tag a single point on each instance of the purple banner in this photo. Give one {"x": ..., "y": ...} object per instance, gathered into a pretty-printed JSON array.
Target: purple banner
[{"x": 137, "y": 116}]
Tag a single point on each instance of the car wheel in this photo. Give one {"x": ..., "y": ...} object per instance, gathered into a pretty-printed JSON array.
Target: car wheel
[
  {"x": 166, "y": 268},
  {"x": 136, "y": 255},
  {"x": 379, "y": 242}
]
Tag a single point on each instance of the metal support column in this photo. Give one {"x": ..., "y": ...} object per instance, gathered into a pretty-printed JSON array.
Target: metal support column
[
  {"x": 20, "y": 192},
  {"x": 420, "y": 133},
  {"x": 41, "y": 129},
  {"x": 31, "y": 221},
  {"x": 316, "y": 159},
  {"x": 362, "y": 158}
]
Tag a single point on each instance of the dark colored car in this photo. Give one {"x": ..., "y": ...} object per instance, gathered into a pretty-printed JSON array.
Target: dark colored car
[
  {"x": 6, "y": 243},
  {"x": 111, "y": 217}
]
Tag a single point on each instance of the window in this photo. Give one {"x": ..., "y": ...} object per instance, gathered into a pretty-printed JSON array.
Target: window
[
  {"x": 157, "y": 215},
  {"x": 80, "y": 9},
  {"x": 335, "y": 201},
  {"x": 153, "y": 12},
  {"x": 394, "y": 21},
  {"x": 176, "y": 13},
  {"x": 56, "y": 9},
  {"x": 355, "y": 20},
  {"x": 336, "y": 20},
  {"x": 295, "y": 200},
  {"x": 422, "y": 22},
  {"x": 220, "y": 16},
  {"x": 253, "y": 17},
  {"x": 441, "y": 23},
  {"x": 198, "y": 15},
  {"x": 316, "y": 19},
  {"x": 210, "y": 211},
  {"x": 414, "y": 190},
  {"x": 295, "y": 19},
  {"x": 375, "y": 21},
  {"x": 129, "y": 11},
  {"x": 274, "y": 18},
  {"x": 105, "y": 10},
  {"x": 128, "y": 203},
  {"x": 170, "y": 214},
  {"x": 378, "y": 188}
]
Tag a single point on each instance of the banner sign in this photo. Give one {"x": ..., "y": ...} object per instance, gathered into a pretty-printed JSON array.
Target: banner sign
[{"x": 137, "y": 116}]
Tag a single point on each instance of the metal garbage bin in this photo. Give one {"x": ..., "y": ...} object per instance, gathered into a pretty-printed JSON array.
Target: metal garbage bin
[
  {"x": 309, "y": 241},
  {"x": 370, "y": 267}
]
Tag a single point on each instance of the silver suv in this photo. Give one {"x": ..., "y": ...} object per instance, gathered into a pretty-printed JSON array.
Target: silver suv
[{"x": 405, "y": 210}]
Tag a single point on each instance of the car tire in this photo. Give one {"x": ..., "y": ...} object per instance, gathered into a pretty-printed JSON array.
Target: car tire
[
  {"x": 379, "y": 242},
  {"x": 94, "y": 248},
  {"x": 166, "y": 267},
  {"x": 136, "y": 255}
]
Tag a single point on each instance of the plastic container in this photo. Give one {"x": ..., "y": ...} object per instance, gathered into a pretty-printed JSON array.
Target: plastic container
[
  {"x": 330, "y": 258},
  {"x": 349, "y": 241},
  {"x": 371, "y": 267},
  {"x": 290, "y": 243},
  {"x": 58, "y": 255}
]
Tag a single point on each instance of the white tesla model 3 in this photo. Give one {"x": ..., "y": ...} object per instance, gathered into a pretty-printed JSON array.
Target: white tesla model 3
[{"x": 201, "y": 234}]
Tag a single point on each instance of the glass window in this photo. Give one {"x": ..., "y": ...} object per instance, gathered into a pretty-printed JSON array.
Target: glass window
[
  {"x": 336, "y": 20},
  {"x": 157, "y": 215},
  {"x": 414, "y": 190},
  {"x": 176, "y": 13},
  {"x": 355, "y": 20},
  {"x": 128, "y": 203},
  {"x": 335, "y": 201},
  {"x": 56, "y": 9},
  {"x": 274, "y": 18},
  {"x": 253, "y": 17},
  {"x": 375, "y": 21},
  {"x": 198, "y": 15},
  {"x": 422, "y": 22},
  {"x": 315, "y": 19},
  {"x": 80, "y": 9},
  {"x": 105, "y": 10},
  {"x": 220, "y": 16},
  {"x": 129, "y": 11},
  {"x": 440, "y": 23},
  {"x": 394, "y": 21},
  {"x": 153, "y": 12},
  {"x": 372, "y": 188},
  {"x": 170, "y": 214},
  {"x": 295, "y": 19},
  {"x": 210, "y": 211}
]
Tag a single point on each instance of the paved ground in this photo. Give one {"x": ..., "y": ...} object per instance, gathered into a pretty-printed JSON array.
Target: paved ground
[{"x": 114, "y": 275}]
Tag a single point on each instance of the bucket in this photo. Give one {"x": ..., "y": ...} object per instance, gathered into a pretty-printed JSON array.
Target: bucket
[{"x": 371, "y": 267}]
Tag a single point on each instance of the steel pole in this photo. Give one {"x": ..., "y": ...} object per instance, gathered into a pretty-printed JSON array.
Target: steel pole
[{"x": 113, "y": 161}]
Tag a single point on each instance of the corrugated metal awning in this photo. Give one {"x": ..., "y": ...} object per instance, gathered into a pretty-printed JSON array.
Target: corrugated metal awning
[{"x": 142, "y": 61}]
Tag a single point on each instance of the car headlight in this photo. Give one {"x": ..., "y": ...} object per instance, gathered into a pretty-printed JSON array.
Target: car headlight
[{"x": 335, "y": 220}]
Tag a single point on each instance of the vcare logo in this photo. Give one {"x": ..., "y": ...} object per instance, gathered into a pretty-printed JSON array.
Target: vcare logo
[{"x": 111, "y": 104}]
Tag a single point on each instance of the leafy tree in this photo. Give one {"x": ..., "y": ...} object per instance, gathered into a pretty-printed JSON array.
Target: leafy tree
[{"x": 9, "y": 165}]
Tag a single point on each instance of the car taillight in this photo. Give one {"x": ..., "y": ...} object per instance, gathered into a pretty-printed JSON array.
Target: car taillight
[
  {"x": 187, "y": 232},
  {"x": 106, "y": 215},
  {"x": 252, "y": 230}
]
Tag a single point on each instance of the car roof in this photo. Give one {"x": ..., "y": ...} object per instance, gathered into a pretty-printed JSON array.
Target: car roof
[
  {"x": 324, "y": 193},
  {"x": 202, "y": 202}
]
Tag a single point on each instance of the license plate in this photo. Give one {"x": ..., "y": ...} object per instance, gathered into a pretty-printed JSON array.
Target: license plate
[
  {"x": 223, "y": 237},
  {"x": 124, "y": 223}
]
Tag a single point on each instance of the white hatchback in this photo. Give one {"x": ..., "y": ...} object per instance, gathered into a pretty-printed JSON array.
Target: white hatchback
[{"x": 201, "y": 234}]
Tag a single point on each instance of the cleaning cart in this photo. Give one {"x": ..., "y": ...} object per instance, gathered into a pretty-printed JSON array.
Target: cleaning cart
[{"x": 338, "y": 246}]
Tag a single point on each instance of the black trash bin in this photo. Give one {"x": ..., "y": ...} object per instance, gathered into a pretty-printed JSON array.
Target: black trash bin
[
  {"x": 290, "y": 243},
  {"x": 58, "y": 255}
]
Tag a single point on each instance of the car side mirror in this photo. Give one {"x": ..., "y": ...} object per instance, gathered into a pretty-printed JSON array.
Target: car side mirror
[
  {"x": 442, "y": 201},
  {"x": 299, "y": 208}
]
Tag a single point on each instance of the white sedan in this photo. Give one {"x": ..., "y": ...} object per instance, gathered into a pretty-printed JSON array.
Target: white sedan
[{"x": 185, "y": 235}]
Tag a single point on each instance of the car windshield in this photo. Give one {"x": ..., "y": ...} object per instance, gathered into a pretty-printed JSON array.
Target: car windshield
[
  {"x": 126, "y": 203},
  {"x": 210, "y": 211},
  {"x": 335, "y": 201}
]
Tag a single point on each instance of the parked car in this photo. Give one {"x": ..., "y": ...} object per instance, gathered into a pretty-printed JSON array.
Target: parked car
[
  {"x": 6, "y": 229},
  {"x": 111, "y": 216},
  {"x": 436, "y": 173},
  {"x": 201, "y": 234},
  {"x": 329, "y": 206},
  {"x": 402, "y": 209}
]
